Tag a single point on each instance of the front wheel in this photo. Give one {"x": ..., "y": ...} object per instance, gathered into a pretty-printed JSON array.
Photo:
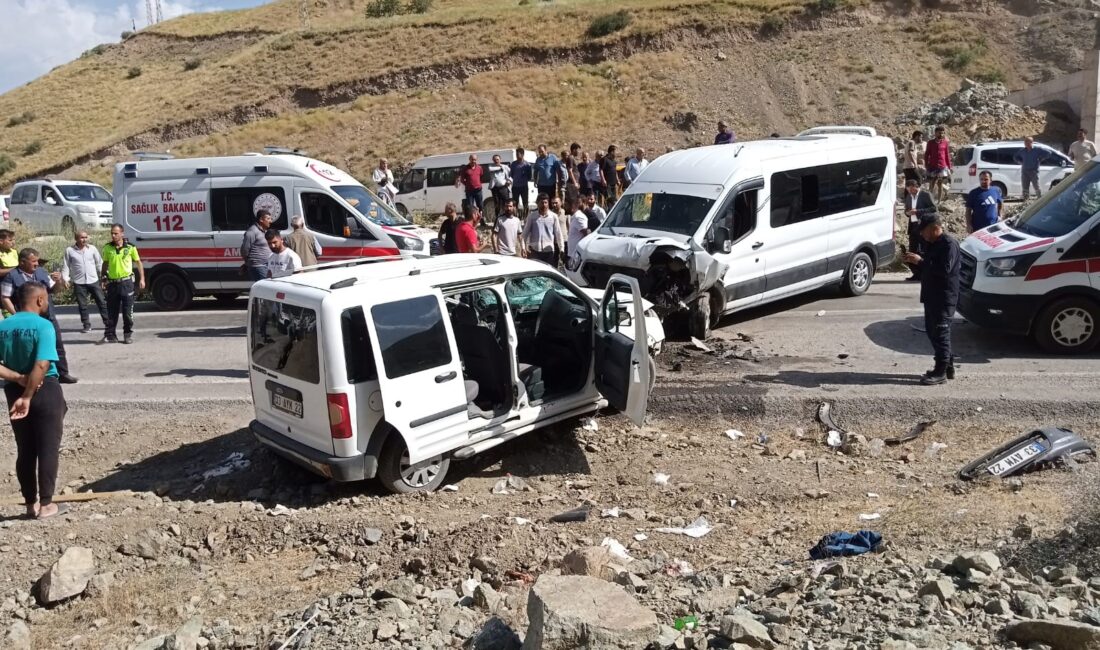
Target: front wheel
[
  {"x": 1068, "y": 326},
  {"x": 402, "y": 210},
  {"x": 397, "y": 475},
  {"x": 171, "y": 292},
  {"x": 699, "y": 318},
  {"x": 857, "y": 279}
]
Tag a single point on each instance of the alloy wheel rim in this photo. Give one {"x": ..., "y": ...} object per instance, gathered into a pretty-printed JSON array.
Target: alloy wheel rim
[{"x": 421, "y": 474}]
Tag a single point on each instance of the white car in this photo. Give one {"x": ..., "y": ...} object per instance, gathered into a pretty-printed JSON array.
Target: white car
[
  {"x": 5, "y": 202},
  {"x": 391, "y": 369},
  {"x": 61, "y": 206},
  {"x": 430, "y": 183},
  {"x": 1000, "y": 160}
]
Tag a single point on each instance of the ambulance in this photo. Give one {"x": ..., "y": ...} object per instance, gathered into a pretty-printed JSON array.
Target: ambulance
[
  {"x": 188, "y": 217},
  {"x": 1038, "y": 274}
]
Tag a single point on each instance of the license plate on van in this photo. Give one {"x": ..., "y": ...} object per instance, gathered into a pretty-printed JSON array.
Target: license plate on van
[{"x": 285, "y": 399}]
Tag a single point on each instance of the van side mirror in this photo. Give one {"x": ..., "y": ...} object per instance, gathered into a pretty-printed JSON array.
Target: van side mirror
[{"x": 720, "y": 240}]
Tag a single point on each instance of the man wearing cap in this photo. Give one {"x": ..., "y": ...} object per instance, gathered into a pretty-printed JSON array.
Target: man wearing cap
[
  {"x": 120, "y": 257},
  {"x": 36, "y": 404},
  {"x": 724, "y": 135},
  {"x": 939, "y": 292}
]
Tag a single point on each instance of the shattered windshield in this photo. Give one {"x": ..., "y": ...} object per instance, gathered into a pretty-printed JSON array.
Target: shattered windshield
[
  {"x": 675, "y": 213},
  {"x": 1068, "y": 205}
]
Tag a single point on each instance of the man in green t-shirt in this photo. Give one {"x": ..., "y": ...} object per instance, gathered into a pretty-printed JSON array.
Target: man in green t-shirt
[
  {"x": 120, "y": 259},
  {"x": 36, "y": 404},
  {"x": 9, "y": 257}
]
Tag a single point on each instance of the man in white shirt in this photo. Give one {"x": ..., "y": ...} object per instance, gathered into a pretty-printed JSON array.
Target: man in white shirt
[
  {"x": 590, "y": 203},
  {"x": 542, "y": 233},
  {"x": 283, "y": 261},
  {"x": 578, "y": 225},
  {"x": 506, "y": 239},
  {"x": 634, "y": 166},
  {"x": 383, "y": 175},
  {"x": 80, "y": 268},
  {"x": 1082, "y": 150},
  {"x": 500, "y": 182}
]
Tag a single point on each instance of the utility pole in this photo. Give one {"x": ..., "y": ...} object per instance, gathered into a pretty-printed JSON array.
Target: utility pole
[
  {"x": 149, "y": 11},
  {"x": 160, "y": 13}
]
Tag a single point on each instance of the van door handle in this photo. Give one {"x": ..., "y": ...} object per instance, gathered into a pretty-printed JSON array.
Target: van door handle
[
  {"x": 447, "y": 376},
  {"x": 757, "y": 245}
]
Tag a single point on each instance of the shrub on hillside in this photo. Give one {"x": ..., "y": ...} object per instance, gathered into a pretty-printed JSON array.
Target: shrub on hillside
[
  {"x": 825, "y": 6},
  {"x": 127, "y": 34},
  {"x": 98, "y": 49},
  {"x": 608, "y": 23},
  {"x": 7, "y": 164},
  {"x": 133, "y": 73},
  {"x": 774, "y": 23},
  {"x": 383, "y": 8},
  {"x": 191, "y": 64},
  {"x": 420, "y": 6},
  {"x": 25, "y": 117},
  {"x": 32, "y": 148}
]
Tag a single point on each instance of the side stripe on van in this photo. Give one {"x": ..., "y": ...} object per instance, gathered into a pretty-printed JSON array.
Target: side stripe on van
[{"x": 219, "y": 253}]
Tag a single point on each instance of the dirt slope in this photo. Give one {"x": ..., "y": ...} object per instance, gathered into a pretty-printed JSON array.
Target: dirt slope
[{"x": 473, "y": 73}]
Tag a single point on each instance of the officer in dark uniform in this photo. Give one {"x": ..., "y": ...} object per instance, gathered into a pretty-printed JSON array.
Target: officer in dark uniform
[{"x": 939, "y": 292}]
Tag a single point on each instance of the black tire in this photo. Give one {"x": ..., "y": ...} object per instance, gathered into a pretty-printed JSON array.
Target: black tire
[
  {"x": 858, "y": 276},
  {"x": 402, "y": 210},
  {"x": 1068, "y": 326},
  {"x": 171, "y": 292},
  {"x": 1004, "y": 190},
  {"x": 489, "y": 214},
  {"x": 699, "y": 318},
  {"x": 395, "y": 476},
  {"x": 67, "y": 227},
  {"x": 652, "y": 375}
]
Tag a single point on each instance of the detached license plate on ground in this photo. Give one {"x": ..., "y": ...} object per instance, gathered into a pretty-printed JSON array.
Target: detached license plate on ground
[{"x": 1016, "y": 458}]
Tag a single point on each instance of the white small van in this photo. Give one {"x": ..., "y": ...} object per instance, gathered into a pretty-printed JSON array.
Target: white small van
[
  {"x": 1038, "y": 274},
  {"x": 188, "y": 216},
  {"x": 430, "y": 184},
  {"x": 713, "y": 230},
  {"x": 390, "y": 370},
  {"x": 52, "y": 206}
]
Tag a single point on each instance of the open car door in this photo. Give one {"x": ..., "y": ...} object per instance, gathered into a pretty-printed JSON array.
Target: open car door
[{"x": 622, "y": 353}]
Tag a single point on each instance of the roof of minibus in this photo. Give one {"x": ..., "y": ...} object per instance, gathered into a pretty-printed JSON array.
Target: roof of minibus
[
  {"x": 716, "y": 164},
  {"x": 246, "y": 165},
  {"x": 433, "y": 271}
]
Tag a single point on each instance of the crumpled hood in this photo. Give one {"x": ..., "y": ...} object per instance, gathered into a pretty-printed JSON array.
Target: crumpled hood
[{"x": 632, "y": 252}]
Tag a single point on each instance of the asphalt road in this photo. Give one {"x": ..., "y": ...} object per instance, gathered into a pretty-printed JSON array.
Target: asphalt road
[{"x": 200, "y": 354}]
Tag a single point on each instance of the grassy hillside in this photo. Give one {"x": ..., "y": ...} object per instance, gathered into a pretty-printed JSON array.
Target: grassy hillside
[{"x": 477, "y": 73}]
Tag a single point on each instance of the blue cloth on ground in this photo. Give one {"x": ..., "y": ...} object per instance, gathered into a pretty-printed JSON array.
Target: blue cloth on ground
[{"x": 845, "y": 544}]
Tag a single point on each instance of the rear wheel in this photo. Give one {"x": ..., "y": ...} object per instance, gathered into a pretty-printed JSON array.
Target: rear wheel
[
  {"x": 1004, "y": 190},
  {"x": 489, "y": 214},
  {"x": 857, "y": 279},
  {"x": 402, "y": 210},
  {"x": 398, "y": 476},
  {"x": 1068, "y": 326},
  {"x": 171, "y": 292},
  {"x": 67, "y": 227}
]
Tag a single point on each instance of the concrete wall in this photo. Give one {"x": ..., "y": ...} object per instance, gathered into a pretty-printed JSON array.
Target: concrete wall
[{"x": 1078, "y": 90}]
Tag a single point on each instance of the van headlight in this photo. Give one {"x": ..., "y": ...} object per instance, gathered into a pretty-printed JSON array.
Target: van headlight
[
  {"x": 407, "y": 243},
  {"x": 85, "y": 209},
  {"x": 1010, "y": 267}
]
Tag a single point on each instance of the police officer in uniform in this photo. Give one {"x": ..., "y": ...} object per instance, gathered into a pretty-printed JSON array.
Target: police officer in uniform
[
  {"x": 939, "y": 292},
  {"x": 120, "y": 258}
]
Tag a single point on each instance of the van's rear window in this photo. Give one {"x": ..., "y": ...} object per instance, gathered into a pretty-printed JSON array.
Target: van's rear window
[{"x": 284, "y": 339}]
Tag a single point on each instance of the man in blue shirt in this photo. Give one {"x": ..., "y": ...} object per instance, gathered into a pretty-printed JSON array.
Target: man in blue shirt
[
  {"x": 984, "y": 204},
  {"x": 1029, "y": 158},
  {"x": 521, "y": 179},
  {"x": 36, "y": 404},
  {"x": 547, "y": 172}
]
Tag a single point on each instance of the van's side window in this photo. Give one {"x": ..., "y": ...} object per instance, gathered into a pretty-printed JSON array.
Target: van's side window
[
  {"x": 233, "y": 208},
  {"x": 411, "y": 335},
  {"x": 739, "y": 216},
  {"x": 813, "y": 192},
  {"x": 324, "y": 215},
  {"x": 358, "y": 351},
  {"x": 413, "y": 181},
  {"x": 442, "y": 176},
  {"x": 23, "y": 195}
]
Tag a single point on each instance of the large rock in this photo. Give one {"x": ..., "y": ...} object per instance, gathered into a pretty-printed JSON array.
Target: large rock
[
  {"x": 68, "y": 576},
  {"x": 18, "y": 637},
  {"x": 985, "y": 561},
  {"x": 186, "y": 637},
  {"x": 495, "y": 635},
  {"x": 741, "y": 627},
  {"x": 594, "y": 561},
  {"x": 568, "y": 612},
  {"x": 149, "y": 545},
  {"x": 1060, "y": 635}
]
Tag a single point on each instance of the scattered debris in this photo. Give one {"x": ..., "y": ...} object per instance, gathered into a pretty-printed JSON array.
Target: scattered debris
[
  {"x": 617, "y": 550},
  {"x": 699, "y": 345},
  {"x": 660, "y": 479},
  {"x": 689, "y": 622},
  {"x": 236, "y": 461},
  {"x": 914, "y": 433},
  {"x": 934, "y": 449},
  {"x": 869, "y": 516},
  {"x": 815, "y": 493},
  {"x": 610, "y": 513},
  {"x": 509, "y": 484},
  {"x": 843, "y": 544},
  {"x": 734, "y": 434},
  {"x": 590, "y": 424},
  {"x": 820, "y": 313},
  {"x": 834, "y": 439},
  {"x": 1038, "y": 449},
  {"x": 450, "y": 487},
  {"x": 518, "y": 521},
  {"x": 279, "y": 511},
  {"x": 872, "y": 495},
  {"x": 640, "y": 537},
  {"x": 695, "y": 529},
  {"x": 679, "y": 568}
]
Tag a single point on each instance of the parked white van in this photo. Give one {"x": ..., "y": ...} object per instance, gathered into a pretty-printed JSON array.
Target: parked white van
[
  {"x": 1000, "y": 160},
  {"x": 60, "y": 206},
  {"x": 390, "y": 370},
  {"x": 1039, "y": 273},
  {"x": 430, "y": 184},
  {"x": 188, "y": 216},
  {"x": 718, "y": 229}
]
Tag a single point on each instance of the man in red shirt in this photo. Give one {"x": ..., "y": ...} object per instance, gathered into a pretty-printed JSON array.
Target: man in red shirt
[
  {"x": 469, "y": 177},
  {"x": 937, "y": 160},
  {"x": 466, "y": 231}
]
